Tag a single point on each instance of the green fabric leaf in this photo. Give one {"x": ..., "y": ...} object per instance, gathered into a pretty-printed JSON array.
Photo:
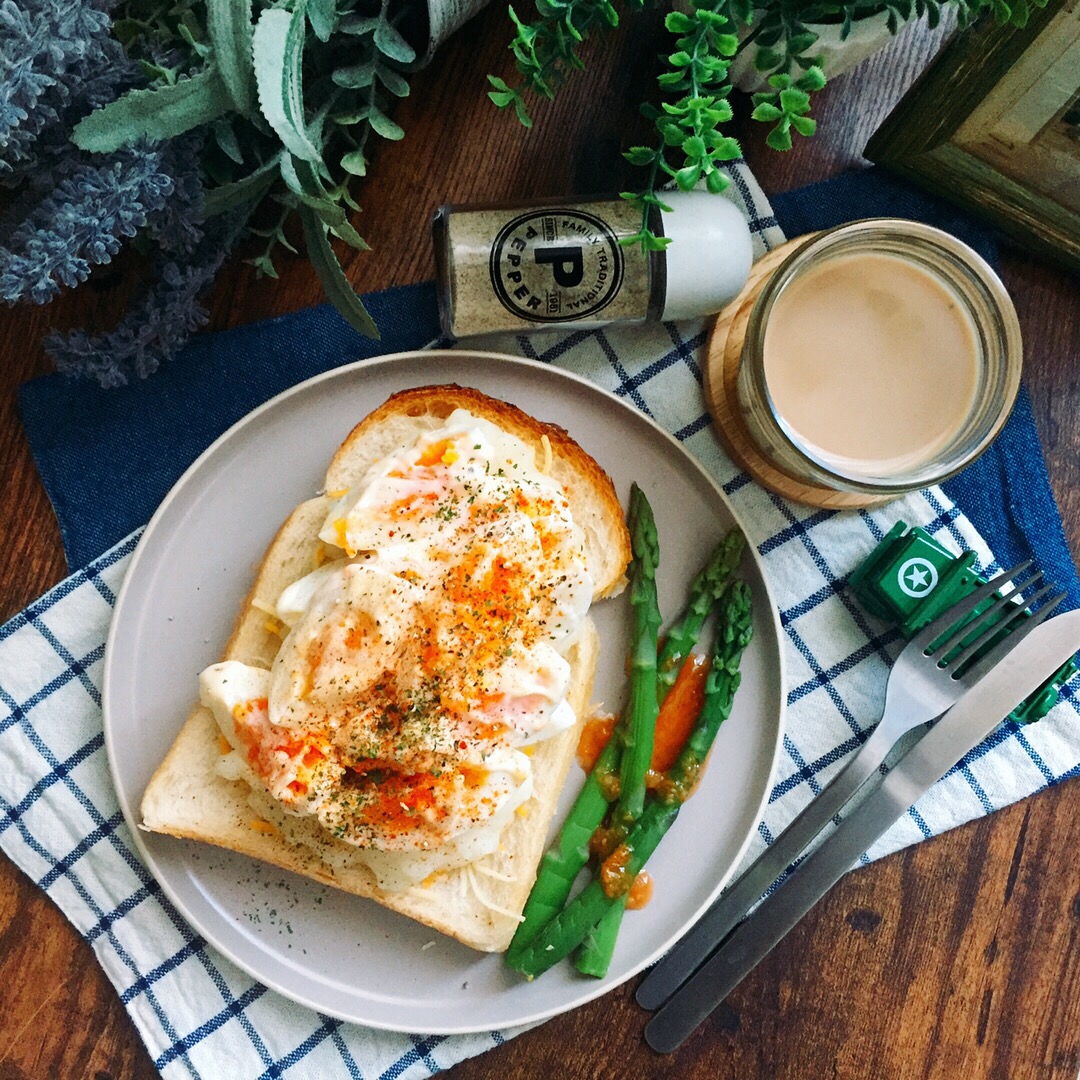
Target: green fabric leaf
[
  {"x": 716, "y": 182},
  {"x": 336, "y": 285},
  {"x": 766, "y": 59},
  {"x": 694, "y": 147},
  {"x": 726, "y": 149},
  {"x": 226, "y": 139},
  {"x": 228, "y": 23},
  {"x": 264, "y": 266},
  {"x": 382, "y": 125},
  {"x": 779, "y": 139},
  {"x": 355, "y": 77},
  {"x": 687, "y": 177},
  {"x": 249, "y": 190},
  {"x": 323, "y": 16},
  {"x": 393, "y": 81},
  {"x": 727, "y": 44},
  {"x": 303, "y": 180},
  {"x": 812, "y": 79},
  {"x": 671, "y": 80},
  {"x": 794, "y": 101},
  {"x": 358, "y": 24},
  {"x": 355, "y": 163},
  {"x": 390, "y": 43},
  {"x": 154, "y": 114},
  {"x": 766, "y": 111},
  {"x": 278, "y": 45}
]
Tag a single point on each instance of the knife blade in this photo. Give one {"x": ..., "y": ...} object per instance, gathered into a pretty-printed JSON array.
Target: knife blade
[{"x": 962, "y": 728}]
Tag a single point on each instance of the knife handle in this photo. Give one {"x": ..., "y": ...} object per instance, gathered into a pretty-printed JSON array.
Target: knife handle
[{"x": 691, "y": 950}]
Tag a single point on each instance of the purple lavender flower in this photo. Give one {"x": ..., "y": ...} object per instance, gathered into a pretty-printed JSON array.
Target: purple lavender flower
[
  {"x": 80, "y": 224},
  {"x": 72, "y": 211},
  {"x": 59, "y": 61},
  {"x": 158, "y": 324}
]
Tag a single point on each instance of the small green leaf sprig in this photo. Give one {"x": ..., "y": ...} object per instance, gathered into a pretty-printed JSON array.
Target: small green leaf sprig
[
  {"x": 690, "y": 147},
  {"x": 294, "y": 95},
  {"x": 546, "y": 52}
]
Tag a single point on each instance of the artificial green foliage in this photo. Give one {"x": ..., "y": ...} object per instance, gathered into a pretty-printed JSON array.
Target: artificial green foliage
[
  {"x": 293, "y": 96},
  {"x": 229, "y": 29},
  {"x": 155, "y": 114},
  {"x": 692, "y": 105}
]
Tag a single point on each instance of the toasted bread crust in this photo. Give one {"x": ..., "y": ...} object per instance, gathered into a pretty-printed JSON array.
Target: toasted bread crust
[
  {"x": 187, "y": 797},
  {"x": 589, "y": 488}
]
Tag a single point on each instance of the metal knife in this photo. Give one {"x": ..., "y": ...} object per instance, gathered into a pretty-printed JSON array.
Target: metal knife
[{"x": 962, "y": 728}]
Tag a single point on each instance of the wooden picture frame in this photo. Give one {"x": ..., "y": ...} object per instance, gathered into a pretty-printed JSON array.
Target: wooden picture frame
[{"x": 994, "y": 126}]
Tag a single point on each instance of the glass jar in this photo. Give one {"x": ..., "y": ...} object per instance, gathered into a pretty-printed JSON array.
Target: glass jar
[{"x": 981, "y": 303}]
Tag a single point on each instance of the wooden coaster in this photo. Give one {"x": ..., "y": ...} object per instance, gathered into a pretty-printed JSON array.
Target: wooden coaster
[{"x": 722, "y": 353}]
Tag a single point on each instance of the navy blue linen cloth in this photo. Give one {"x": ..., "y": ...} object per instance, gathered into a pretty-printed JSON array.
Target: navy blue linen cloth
[{"x": 90, "y": 444}]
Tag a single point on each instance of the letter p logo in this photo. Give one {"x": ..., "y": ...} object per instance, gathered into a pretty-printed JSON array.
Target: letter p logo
[{"x": 567, "y": 264}]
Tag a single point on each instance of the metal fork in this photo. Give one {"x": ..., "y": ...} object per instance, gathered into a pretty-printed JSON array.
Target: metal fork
[{"x": 930, "y": 674}]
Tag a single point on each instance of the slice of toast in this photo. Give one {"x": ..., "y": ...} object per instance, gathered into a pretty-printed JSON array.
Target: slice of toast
[{"x": 189, "y": 796}]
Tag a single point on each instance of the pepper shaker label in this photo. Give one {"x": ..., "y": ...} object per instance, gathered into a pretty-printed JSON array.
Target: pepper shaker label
[
  {"x": 555, "y": 264},
  {"x": 512, "y": 268}
]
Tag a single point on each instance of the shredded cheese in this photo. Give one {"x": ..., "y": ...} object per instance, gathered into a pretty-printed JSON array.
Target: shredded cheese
[
  {"x": 480, "y": 868},
  {"x": 505, "y": 912},
  {"x": 546, "y": 467}
]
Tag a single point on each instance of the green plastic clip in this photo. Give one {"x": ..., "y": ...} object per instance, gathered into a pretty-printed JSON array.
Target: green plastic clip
[{"x": 910, "y": 578}]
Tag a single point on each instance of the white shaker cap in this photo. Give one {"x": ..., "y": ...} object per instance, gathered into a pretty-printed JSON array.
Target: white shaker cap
[{"x": 710, "y": 254}]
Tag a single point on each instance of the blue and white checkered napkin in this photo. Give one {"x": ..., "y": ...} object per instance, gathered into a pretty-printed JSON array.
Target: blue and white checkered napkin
[{"x": 199, "y": 1015}]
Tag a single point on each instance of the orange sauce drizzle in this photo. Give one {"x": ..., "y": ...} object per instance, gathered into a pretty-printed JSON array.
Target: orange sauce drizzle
[
  {"x": 594, "y": 737},
  {"x": 640, "y": 892}
]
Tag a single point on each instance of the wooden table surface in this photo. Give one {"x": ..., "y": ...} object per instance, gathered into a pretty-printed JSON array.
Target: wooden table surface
[{"x": 957, "y": 958}]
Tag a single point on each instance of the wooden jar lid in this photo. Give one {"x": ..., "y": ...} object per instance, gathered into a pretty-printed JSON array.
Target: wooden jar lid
[{"x": 721, "y": 370}]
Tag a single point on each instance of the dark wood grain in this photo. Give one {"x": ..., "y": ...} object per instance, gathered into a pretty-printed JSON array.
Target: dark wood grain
[{"x": 957, "y": 958}]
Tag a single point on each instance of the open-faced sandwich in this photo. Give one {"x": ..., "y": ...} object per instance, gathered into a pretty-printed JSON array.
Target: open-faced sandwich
[{"x": 399, "y": 702}]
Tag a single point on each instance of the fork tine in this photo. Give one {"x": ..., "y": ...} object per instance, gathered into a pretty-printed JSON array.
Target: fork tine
[
  {"x": 984, "y": 663},
  {"x": 946, "y": 622},
  {"x": 989, "y": 619},
  {"x": 1015, "y": 607}
]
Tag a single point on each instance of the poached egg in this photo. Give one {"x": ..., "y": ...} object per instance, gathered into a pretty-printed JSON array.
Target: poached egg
[{"x": 421, "y": 663}]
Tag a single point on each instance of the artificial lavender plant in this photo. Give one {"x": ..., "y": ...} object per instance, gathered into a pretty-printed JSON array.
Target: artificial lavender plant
[{"x": 168, "y": 123}]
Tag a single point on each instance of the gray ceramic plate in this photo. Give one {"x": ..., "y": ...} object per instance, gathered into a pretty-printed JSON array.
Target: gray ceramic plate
[{"x": 345, "y": 956}]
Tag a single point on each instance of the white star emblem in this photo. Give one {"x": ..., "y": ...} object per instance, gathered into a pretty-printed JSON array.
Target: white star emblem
[{"x": 917, "y": 577}]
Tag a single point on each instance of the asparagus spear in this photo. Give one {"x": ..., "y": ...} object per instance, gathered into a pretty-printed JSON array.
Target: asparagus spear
[
  {"x": 563, "y": 861},
  {"x": 705, "y": 590},
  {"x": 568, "y": 929},
  {"x": 594, "y": 956},
  {"x": 643, "y": 705},
  {"x": 566, "y": 858}
]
